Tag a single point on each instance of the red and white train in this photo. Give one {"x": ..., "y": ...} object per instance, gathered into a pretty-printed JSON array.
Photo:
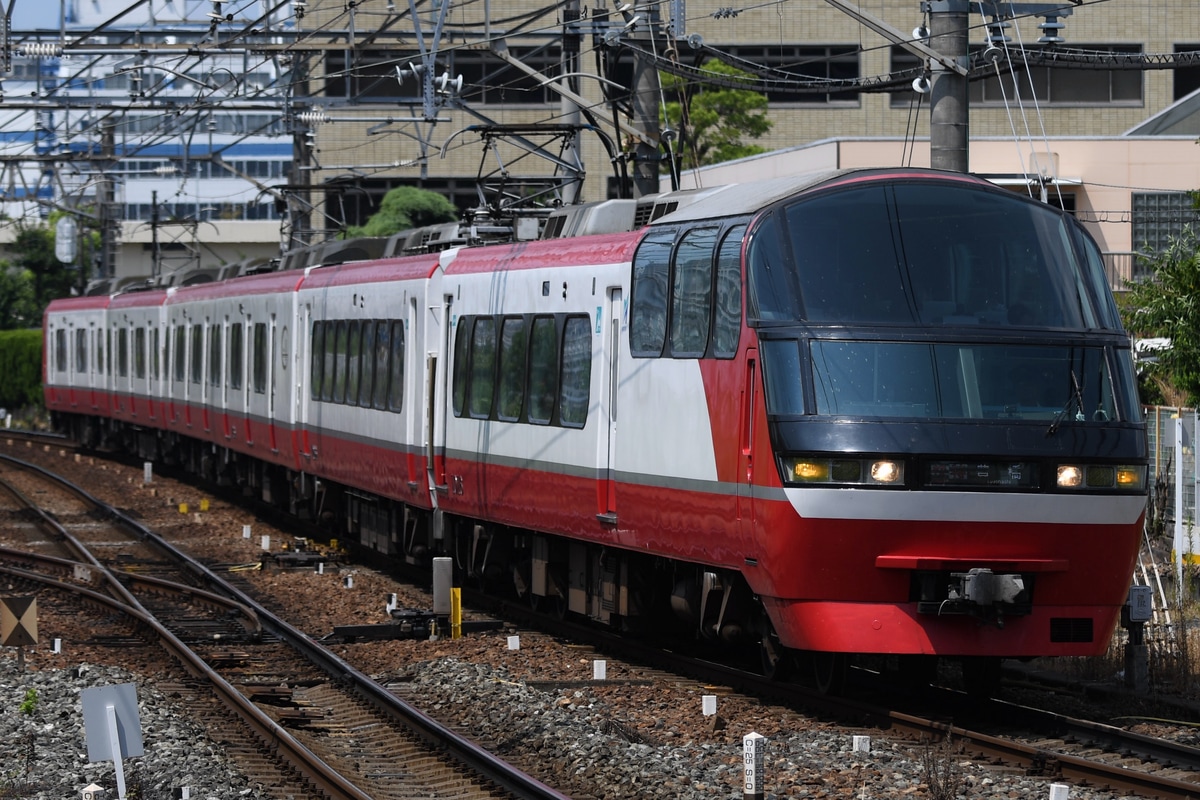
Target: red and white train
[{"x": 880, "y": 411}]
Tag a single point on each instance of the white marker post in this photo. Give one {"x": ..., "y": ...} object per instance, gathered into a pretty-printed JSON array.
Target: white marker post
[
  {"x": 148, "y": 472},
  {"x": 266, "y": 543},
  {"x": 245, "y": 531},
  {"x": 862, "y": 744},
  {"x": 1059, "y": 791},
  {"x": 754, "y": 750},
  {"x": 708, "y": 705},
  {"x": 599, "y": 670},
  {"x": 514, "y": 643}
]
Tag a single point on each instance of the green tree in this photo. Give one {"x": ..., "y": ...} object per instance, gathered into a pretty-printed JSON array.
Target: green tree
[
  {"x": 713, "y": 120},
  {"x": 1167, "y": 304},
  {"x": 18, "y": 304},
  {"x": 406, "y": 207}
]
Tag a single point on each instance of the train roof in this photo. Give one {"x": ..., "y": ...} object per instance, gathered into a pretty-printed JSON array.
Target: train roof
[
  {"x": 140, "y": 299},
  {"x": 81, "y": 303},
  {"x": 611, "y": 248},
  {"x": 262, "y": 283},
  {"x": 740, "y": 199},
  {"x": 403, "y": 268}
]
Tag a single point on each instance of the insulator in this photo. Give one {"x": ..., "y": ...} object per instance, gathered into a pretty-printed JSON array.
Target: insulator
[
  {"x": 996, "y": 31},
  {"x": 315, "y": 117},
  {"x": 46, "y": 49},
  {"x": 1050, "y": 30}
]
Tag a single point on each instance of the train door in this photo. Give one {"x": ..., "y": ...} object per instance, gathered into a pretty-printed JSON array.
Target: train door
[
  {"x": 745, "y": 440},
  {"x": 306, "y": 342},
  {"x": 606, "y": 488},
  {"x": 273, "y": 363},
  {"x": 411, "y": 409},
  {"x": 437, "y": 402}
]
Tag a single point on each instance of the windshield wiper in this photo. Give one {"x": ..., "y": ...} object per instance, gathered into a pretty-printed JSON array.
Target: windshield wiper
[{"x": 1074, "y": 399}]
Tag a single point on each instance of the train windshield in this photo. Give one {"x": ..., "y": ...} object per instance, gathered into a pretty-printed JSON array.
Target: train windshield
[
  {"x": 926, "y": 254},
  {"x": 911, "y": 379}
]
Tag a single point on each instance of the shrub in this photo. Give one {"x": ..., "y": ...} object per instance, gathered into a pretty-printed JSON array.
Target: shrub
[{"x": 20, "y": 369}]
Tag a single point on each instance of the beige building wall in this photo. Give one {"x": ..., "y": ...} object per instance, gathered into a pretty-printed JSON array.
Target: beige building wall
[{"x": 1157, "y": 26}]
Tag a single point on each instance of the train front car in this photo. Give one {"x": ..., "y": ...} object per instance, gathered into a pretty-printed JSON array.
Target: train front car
[{"x": 951, "y": 404}]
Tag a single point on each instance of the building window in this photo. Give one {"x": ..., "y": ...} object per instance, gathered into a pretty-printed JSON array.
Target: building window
[
  {"x": 1048, "y": 85},
  {"x": 1159, "y": 217},
  {"x": 803, "y": 65},
  {"x": 1187, "y": 79}
]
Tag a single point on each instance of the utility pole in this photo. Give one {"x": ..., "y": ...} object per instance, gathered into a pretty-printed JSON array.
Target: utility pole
[
  {"x": 647, "y": 92},
  {"x": 570, "y": 82},
  {"x": 155, "y": 250},
  {"x": 105, "y": 205},
  {"x": 949, "y": 126}
]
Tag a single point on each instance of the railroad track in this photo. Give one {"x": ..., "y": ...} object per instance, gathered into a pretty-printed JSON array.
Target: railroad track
[{"x": 300, "y": 701}]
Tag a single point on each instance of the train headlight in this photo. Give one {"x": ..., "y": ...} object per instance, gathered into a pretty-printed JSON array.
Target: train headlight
[
  {"x": 842, "y": 471},
  {"x": 1102, "y": 476}
]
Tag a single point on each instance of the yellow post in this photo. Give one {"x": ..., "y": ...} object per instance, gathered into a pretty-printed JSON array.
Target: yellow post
[
  {"x": 456, "y": 613},
  {"x": 204, "y": 504},
  {"x": 183, "y": 508}
]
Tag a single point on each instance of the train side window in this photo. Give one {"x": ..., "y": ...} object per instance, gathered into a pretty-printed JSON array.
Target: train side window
[
  {"x": 382, "y": 345},
  {"x": 327, "y": 356},
  {"x": 727, "y": 323},
  {"x": 214, "y": 355},
  {"x": 139, "y": 353},
  {"x": 100, "y": 352},
  {"x": 576, "y": 372},
  {"x": 180, "y": 352},
  {"x": 462, "y": 344},
  {"x": 774, "y": 292},
  {"x": 483, "y": 367},
  {"x": 259, "y": 362},
  {"x": 396, "y": 380},
  {"x": 691, "y": 293},
  {"x": 60, "y": 350},
  {"x": 81, "y": 350},
  {"x": 648, "y": 305},
  {"x": 341, "y": 345},
  {"x": 236, "y": 352},
  {"x": 108, "y": 348},
  {"x": 512, "y": 368},
  {"x": 316, "y": 356},
  {"x": 353, "y": 360},
  {"x": 782, "y": 375},
  {"x": 366, "y": 380},
  {"x": 543, "y": 370},
  {"x": 122, "y": 353},
  {"x": 197, "y": 353},
  {"x": 154, "y": 354}
]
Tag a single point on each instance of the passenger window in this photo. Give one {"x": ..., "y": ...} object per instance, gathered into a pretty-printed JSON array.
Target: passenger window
[
  {"x": 236, "y": 351},
  {"x": 576, "y": 372},
  {"x": 648, "y": 305},
  {"x": 327, "y": 339},
  {"x": 197, "y": 353},
  {"x": 396, "y": 388},
  {"x": 512, "y": 368},
  {"x": 154, "y": 354},
  {"x": 366, "y": 380},
  {"x": 214, "y": 355},
  {"x": 483, "y": 367},
  {"x": 108, "y": 348},
  {"x": 100, "y": 352},
  {"x": 316, "y": 355},
  {"x": 259, "y": 364},
  {"x": 727, "y": 327},
  {"x": 122, "y": 353},
  {"x": 341, "y": 346},
  {"x": 353, "y": 360},
  {"x": 81, "y": 350},
  {"x": 139, "y": 353},
  {"x": 60, "y": 350},
  {"x": 461, "y": 348},
  {"x": 691, "y": 293},
  {"x": 543, "y": 370},
  {"x": 383, "y": 353},
  {"x": 180, "y": 352}
]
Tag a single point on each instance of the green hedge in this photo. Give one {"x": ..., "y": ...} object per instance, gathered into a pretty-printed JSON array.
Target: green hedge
[{"x": 20, "y": 369}]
